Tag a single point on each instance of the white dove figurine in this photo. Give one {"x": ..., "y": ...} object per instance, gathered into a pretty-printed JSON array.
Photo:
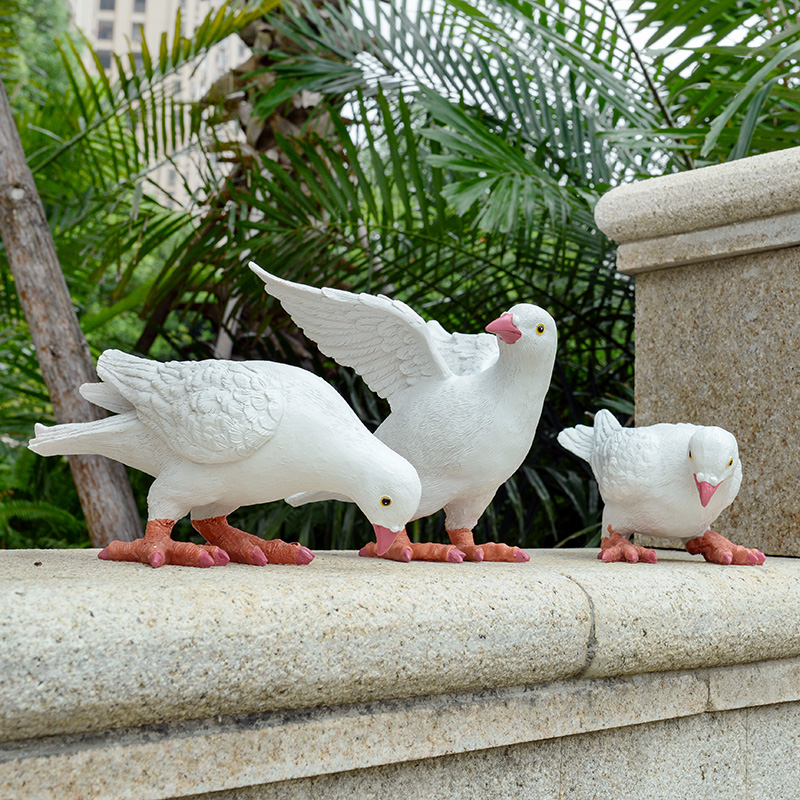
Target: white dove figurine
[
  {"x": 668, "y": 481},
  {"x": 464, "y": 408},
  {"x": 218, "y": 435}
]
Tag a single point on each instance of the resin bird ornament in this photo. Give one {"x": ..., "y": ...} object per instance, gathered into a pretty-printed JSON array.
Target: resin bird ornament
[
  {"x": 668, "y": 481},
  {"x": 218, "y": 435},
  {"x": 464, "y": 408}
]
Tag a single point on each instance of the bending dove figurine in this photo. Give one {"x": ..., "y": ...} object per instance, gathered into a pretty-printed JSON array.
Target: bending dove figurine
[
  {"x": 464, "y": 408},
  {"x": 667, "y": 480},
  {"x": 218, "y": 435}
]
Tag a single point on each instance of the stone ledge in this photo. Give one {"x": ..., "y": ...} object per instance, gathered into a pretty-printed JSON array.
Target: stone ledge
[
  {"x": 209, "y": 680},
  {"x": 730, "y": 209},
  {"x": 88, "y": 645}
]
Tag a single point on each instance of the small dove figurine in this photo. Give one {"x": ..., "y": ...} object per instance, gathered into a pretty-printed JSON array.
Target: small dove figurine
[
  {"x": 218, "y": 435},
  {"x": 464, "y": 406},
  {"x": 665, "y": 480}
]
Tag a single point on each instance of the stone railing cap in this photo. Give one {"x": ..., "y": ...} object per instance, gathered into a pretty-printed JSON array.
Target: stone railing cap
[
  {"x": 87, "y": 645},
  {"x": 753, "y": 188}
]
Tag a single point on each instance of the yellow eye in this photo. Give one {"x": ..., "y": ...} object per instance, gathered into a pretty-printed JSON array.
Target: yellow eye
[
  {"x": 730, "y": 463},
  {"x": 386, "y": 501},
  {"x": 540, "y": 329}
]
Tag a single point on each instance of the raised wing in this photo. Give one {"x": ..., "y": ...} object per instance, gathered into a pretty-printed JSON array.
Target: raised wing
[
  {"x": 384, "y": 341},
  {"x": 464, "y": 353},
  {"x": 211, "y": 412}
]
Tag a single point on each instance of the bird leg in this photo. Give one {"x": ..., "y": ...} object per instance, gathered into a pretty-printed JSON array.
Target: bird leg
[
  {"x": 616, "y": 547},
  {"x": 463, "y": 539},
  {"x": 403, "y": 549},
  {"x": 157, "y": 548},
  {"x": 244, "y": 548},
  {"x": 718, "y": 550}
]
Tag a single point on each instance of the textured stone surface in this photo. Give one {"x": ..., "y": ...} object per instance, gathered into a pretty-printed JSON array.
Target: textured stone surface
[
  {"x": 221, "y": 754},
  {"x": 773, "y": 746},
  {"x": 717, "y": 345},
  {"x": 683, "y": 613},
  {"x": 747, "y": 755},
  {"x": 751, "y": 188},
  {"x": 694, "y": 757},
  {"x": 85, "y": 642},
  {"x": 234, "y": 677},
  {"x": 740, "y": 238}
]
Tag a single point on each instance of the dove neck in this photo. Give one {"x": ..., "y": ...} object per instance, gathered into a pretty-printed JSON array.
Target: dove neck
[{"x": 515, "y": 361}]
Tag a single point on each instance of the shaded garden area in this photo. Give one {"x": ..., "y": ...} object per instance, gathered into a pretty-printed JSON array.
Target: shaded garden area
[{"x": 449, "y": 157}]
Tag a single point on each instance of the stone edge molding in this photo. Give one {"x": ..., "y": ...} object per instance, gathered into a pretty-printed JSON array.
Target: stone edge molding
[
  {"x": 736, "y": 208},
  {"x": 231, "y": 753}
]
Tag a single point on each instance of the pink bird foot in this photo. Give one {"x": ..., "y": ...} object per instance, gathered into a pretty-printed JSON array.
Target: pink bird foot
[
  {"x": 615, "y": 547},
  {"x": 244, "y": 548},
  {"x": 491, "y": 551},
  {"x": 157, "y": 548},
  {"x": 716, "y": 549},
  {"x": 403, "y": 549}
]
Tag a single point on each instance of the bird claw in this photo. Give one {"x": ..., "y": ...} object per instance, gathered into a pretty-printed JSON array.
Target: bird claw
[
  {"x": 403, "y": 549},
  {"x": 455, "y": 556},
  {"x": 716, "y": 549},
  {"x": 244, "y": 548},
  {"x": 157, "y": 548},
  {"x": 491, "y": 551},
  {"x": 616, "y": 548}
]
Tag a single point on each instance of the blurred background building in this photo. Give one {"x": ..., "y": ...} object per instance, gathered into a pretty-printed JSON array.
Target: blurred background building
[{"x": 117, "y": 26}]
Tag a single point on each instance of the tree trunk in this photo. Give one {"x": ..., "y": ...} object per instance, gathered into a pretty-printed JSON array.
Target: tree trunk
[{"x": 61, "y": 347}]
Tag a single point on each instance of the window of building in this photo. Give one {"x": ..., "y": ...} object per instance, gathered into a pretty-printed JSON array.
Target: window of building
[
  {"x": 105, "y": 29},
  {"x": 107, "y": 5},
  {"x": 104, "y": 56},
  {"x": 139, "y": 6},
  {"x": 136, "y": 32}
]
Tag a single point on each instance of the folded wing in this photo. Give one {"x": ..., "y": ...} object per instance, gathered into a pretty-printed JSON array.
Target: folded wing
[{"x": 211, "y": 412}]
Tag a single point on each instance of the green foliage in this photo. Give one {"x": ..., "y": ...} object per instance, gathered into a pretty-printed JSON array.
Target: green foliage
[
  {"x": 92, "y": 147},
  {"x": 30, "y": 66},
  {"x": 27, "y": 520},
  {"x": 730, "y": 71},
  {"x": 453, "y": 162}
]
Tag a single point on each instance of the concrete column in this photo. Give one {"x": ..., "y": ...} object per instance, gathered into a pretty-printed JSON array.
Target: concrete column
[{"x": 716, "y": 255}]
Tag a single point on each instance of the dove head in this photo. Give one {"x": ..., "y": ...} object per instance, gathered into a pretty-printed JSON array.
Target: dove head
[
  {"x": 713, "y": 458},
  {"x": 527, "y": 325},
  {"x": 389, "y": 495}
]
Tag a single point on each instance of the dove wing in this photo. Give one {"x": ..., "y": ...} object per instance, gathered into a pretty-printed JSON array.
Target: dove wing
[
  {"x": 385, "y": 341},
  {"x": 464, "y": 353},
  {"x": 210, "y": 412},
  {"x": 625, "y": 463}
]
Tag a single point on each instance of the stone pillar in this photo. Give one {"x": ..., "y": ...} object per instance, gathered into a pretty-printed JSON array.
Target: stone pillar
[{"x": 716, "y": 255}]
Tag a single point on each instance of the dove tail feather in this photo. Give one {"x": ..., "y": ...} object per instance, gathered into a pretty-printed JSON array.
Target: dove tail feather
[
  {"x": 78, "y": 438},
  {"x": 605, "y": 424},
  {"x": 578, "y": 440},
  {"x": 106, "y": 396},
  {"x": 121, "y": 437}
]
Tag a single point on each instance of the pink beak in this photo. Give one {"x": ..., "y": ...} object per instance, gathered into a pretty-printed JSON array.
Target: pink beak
[
  {"x": 505, "y": 328},
  {"x": 384, "y": 537},
  {"x": 705, "y": 490}
]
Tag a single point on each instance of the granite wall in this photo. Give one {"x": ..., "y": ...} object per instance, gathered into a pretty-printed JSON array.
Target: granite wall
[{"x": 717, "y": 264}]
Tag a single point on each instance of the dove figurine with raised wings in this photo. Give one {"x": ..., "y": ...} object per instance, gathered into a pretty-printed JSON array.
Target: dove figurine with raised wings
[
  {"x": 464, "y": 408},
  {"x": 668, "y": 481},
  {"x": 218, "y": 435}
]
